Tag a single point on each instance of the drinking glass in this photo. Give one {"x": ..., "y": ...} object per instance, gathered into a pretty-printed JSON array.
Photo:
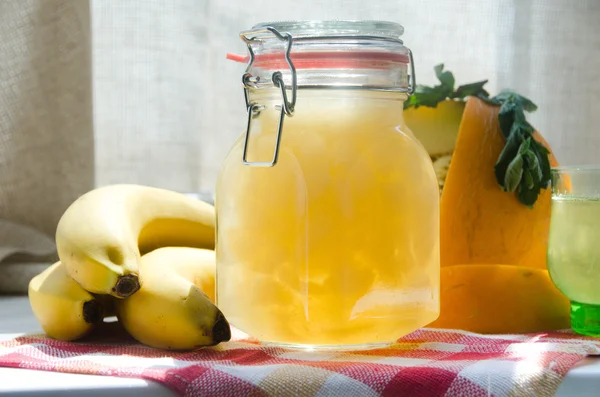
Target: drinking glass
[{"x": 574, "y": 243}]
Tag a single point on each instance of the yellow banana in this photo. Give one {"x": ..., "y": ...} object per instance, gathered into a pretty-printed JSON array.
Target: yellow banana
[
  {"x": 170, "y": 311},
  {"x": 196, "y": 265},
  {"x": 102, "y": 235},
  {"x": 63, "y": 308}
]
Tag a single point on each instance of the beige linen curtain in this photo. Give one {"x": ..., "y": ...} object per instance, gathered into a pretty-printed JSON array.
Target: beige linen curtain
[
  {"x": 46, "y": 133},
  {"x": 167, "y": 104}
]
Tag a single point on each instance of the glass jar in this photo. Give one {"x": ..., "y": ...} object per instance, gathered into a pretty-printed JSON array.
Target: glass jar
[{"x": 327, "y": 207}]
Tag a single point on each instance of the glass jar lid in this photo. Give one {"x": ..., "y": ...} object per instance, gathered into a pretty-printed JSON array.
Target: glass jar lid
[
  {"x": 329, "y": 47},
  {"x": 325, "y": 45},
  {"x": 299, "y": 30}
]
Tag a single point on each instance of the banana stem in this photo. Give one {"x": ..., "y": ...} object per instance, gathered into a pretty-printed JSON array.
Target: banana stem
[
  {"x": 127, "y": 285},
  {"x": 93, "y": 312},
  {"x": 221, "y": 330}
]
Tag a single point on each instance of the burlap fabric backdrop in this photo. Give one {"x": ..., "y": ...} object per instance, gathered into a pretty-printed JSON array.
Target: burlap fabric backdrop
[{"x": 46, "y": 135}]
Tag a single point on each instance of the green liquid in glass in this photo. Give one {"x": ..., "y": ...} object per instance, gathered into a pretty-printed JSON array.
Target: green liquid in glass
[{"x": 585, "y": 319}]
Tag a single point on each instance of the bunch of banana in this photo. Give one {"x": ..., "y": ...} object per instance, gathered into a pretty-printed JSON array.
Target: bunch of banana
[{"x": 142, "y": 253}]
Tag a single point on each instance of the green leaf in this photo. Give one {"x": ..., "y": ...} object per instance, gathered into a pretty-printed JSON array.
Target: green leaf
[
  {"x": 445, "y": 77},
  {"x": 528, "y": 179},
  {"x": 431, "y": 96},
  {"x": 526, "y": 103},
  {"x": 489, "y": 100},
  {"x": 528, "y": 196},
  {"x": 514, "y": 172},
  {"x": 542, "y": 155},
  {"x": 510, "y": 150},
  {"x": 506, "y": 117},
  {"x": 525, "y": 145},
  {"x": 426, "y": 96},
  {"x": 504, "y": 96},
  {"x": 526, "y": 127},
  {"x": 533, "y": 165},
  {"x": 519, "y": 115},
  {"x": 511, "y": 96},
  {"x": 473, "y": 89}
]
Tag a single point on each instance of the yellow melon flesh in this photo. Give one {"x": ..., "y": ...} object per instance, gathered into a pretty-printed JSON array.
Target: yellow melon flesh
[
  {"x": 500, "y": 299},
  {"x": 436, "y": 128}
]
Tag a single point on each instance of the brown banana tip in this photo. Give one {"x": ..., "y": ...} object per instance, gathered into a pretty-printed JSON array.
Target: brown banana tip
[
  {"x": 127, "y": 285},
  {"x": 221, "y": 331},
  {"x": 93, "y": 312}
]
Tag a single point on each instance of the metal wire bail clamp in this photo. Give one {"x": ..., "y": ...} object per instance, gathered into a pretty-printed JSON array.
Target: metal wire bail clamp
[{"x": 249, "y": 81}]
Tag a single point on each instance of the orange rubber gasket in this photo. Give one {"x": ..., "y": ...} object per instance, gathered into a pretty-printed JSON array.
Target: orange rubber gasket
[{"x": 325, "y": 60}]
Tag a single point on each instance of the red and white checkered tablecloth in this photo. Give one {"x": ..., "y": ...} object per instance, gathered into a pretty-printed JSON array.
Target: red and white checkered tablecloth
[{"x": 428, "y": 362}]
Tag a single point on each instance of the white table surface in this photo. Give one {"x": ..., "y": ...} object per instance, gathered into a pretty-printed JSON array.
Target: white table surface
[{"x": 16, "y": 318}]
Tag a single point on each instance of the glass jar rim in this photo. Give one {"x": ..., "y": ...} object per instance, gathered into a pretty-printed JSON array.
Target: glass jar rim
[
  {"x": 575, "y": 168},
  {"x": 306, "y": 29}
]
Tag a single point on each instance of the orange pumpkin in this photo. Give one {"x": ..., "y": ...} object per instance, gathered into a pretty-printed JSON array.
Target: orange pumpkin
[
  {"x": 480, "y": 223},
  {"x": 491, "y": 298}
]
